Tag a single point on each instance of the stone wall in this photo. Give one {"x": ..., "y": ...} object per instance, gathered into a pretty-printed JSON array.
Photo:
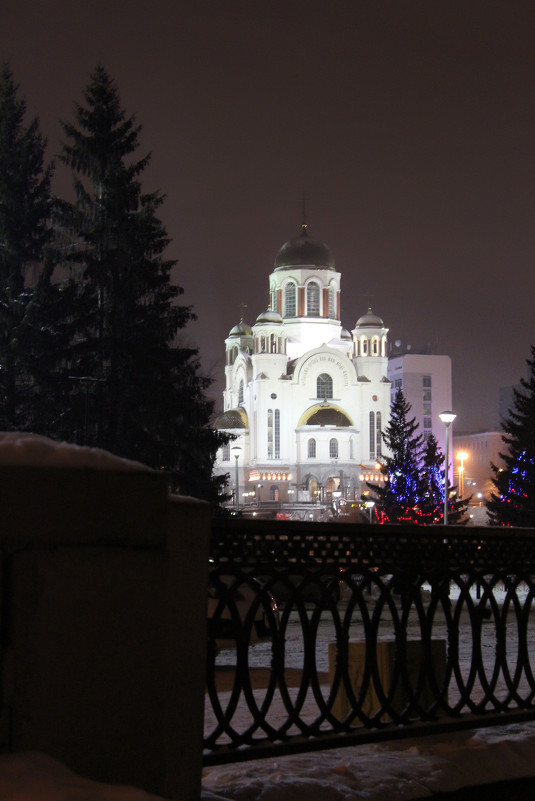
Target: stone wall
[{"x": 103, "y": 624}]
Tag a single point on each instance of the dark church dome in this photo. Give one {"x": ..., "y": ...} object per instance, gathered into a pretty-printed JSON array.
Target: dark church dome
[{"x": 304, "y": 252}]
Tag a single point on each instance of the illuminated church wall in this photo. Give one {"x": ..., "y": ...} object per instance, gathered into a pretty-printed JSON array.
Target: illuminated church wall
[{"x": 305, "y": 398}]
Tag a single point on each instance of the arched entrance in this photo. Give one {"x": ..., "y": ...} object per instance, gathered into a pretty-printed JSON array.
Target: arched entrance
[
  {"x": 313, "y": 488},
  {"x": 331, "y": 485}
]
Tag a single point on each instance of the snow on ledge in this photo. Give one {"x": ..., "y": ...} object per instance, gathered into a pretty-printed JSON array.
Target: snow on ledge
[{"x": 32, "y": 450}]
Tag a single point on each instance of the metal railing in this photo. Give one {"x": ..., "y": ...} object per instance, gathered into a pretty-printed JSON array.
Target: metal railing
[{"x": 364, "y": 633}]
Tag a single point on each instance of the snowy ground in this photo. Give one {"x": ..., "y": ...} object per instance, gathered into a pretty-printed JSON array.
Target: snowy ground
[{"x": 260, "y": 658}]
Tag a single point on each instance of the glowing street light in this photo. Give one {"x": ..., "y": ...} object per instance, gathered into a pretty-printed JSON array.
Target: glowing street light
[
  {"x": 369, "y": 505},
  {"x": 237, "y": 451},
  {"x": 461, "y": 456},
  {"x": 447, "y": 418}
]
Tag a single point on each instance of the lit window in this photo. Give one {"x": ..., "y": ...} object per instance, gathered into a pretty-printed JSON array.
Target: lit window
[
  {"x": 313, "y": 299},
  {"x": 273, "y": 297},
  {"x": 290, "y": 301},
  {"x": 274, "y": 493},
  {"x": 378, "y": 438},
  {"x": 332, "y": 301},
  {"x": 324, "y": 386},
  {"x": 277, "y": 434},
  {"x": 270, "y": 433}
]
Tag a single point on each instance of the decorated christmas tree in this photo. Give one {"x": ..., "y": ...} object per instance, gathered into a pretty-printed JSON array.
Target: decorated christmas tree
[
  {"x": 414, "y": 485},
  {"x": 398, "y": 500}
]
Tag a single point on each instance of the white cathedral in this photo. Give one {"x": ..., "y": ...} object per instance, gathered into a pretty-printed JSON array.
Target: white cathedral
[{"x": 305, "y": 398}]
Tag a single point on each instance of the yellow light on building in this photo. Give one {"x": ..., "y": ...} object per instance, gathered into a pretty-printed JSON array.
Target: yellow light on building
[{"x": 461, "y": 456}]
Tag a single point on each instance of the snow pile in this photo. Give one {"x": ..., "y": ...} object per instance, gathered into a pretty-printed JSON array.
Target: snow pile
[
  {"x": 396, "y": 771},
  {"x": 32, "y": 450}
]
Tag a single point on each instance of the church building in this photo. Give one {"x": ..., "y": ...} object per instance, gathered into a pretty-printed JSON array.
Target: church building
[{"x": 305, "y": 398}]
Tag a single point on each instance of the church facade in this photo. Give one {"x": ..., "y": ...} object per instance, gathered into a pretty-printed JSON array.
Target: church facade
[{"x": 305, "y": 398}]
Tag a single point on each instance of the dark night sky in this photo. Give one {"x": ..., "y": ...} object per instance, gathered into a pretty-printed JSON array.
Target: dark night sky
[{"x": 409, "y": 125}]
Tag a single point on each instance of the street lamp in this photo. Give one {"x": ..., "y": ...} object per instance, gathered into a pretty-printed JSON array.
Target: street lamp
[
  {"x": 369, "y": 505},
  {"x": 447, "y": 418},
  {"x": 461, "y": 456},
  {"x": 237, "y": 456}
]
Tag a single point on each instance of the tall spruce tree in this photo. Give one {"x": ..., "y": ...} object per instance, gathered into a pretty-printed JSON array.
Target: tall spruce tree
[
  {"x": 399, "y": 498},
  {"x": 24, "y": 188},
  {"x": 29, "y": 338},
  {"x": 513, "y": 502},
  {"x": 135, "y": 390},
  {"x": 432, "y": 475}
]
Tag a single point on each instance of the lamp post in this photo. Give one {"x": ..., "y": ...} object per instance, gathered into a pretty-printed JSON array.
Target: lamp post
[
  {"x": 447, "y": 418},
  {"x": 461, "y": 456},
  {"x": 237, "y": 490},
  {"x": 369, "y": 505}
]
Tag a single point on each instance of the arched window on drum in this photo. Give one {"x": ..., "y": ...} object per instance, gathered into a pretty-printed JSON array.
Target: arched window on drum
[
  {"x": 290, "y": 300},
  {"x": 332, "y": 301},
  {"x": 324, "y": 386},
  {"x": 313, "y": 299}
]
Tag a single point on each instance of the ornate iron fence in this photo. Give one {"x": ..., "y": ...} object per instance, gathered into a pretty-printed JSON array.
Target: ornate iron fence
[{"x": 325, "y": 635}]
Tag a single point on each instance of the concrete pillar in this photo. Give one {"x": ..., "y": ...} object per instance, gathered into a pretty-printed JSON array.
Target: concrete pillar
[{"x": 103, "y": 624}]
